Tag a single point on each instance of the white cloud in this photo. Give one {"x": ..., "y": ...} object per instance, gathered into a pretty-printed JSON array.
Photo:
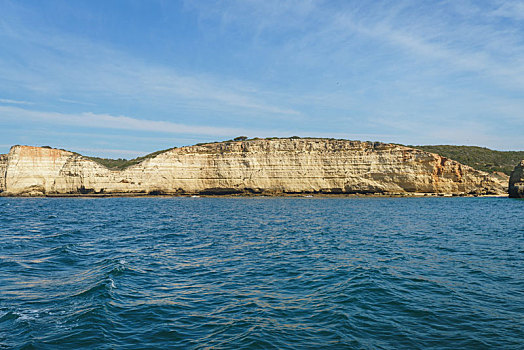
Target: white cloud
[
  {"x": 513, "y": 9},
  {"x": 106, "y": 121},
  {"x": 76, "y": 102},
  {"x": 406, "y": 67},
  {"x": 119, "y": 152},
  {"x": 64, "y": 67},
  {"x": 15, "y": 102},
  {"x": 456, "y": 37}
]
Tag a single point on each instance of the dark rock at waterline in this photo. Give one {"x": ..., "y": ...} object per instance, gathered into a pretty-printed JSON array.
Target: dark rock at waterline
[{"x": 516, "y": 181}]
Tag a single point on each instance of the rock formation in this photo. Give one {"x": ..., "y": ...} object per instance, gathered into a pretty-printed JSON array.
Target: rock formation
[
  {"x": 3, "y": 167},
  {"x": 516, "y": 181},
  {"x": 266, "y": 166}
]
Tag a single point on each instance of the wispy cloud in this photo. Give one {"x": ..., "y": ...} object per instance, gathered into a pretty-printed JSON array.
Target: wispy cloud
[
  {"x": 513, "y": 9},
  {"x": 66, "y": 100},
  {"x": 118, "y": 152},
  {"x": 404, "y": 71},
  {"x": 63, "y": 65},
  {"x": 106, "y": 121},
  {"x": 15, "y": 102},
  {"x": 461, "y": 38},
  {"x": 444, "y": 45}
]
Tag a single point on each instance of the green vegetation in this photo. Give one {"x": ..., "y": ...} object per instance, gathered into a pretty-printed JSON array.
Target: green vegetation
[
  {"x": 120, "y": 163},
  {"x": 479, "y": 158}
]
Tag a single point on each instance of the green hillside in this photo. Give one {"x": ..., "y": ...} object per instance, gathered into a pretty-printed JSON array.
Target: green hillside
[
  {"x": 479, "y": 158},
  {"x": 120, "y": 163}
]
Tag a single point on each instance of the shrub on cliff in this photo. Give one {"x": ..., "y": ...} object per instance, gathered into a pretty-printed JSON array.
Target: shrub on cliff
[{"x": 479, "y": 158}]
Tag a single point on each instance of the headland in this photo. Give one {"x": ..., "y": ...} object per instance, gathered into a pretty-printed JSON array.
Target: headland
[{"x": 292, "y": 166}]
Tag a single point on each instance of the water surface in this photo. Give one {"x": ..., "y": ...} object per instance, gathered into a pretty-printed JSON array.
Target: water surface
[{"x": 256, "y": 273}]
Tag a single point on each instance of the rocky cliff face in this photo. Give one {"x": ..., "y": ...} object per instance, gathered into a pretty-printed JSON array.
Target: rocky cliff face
[
  {"x": 516, "y": 181},
  {"x": 33, "y": 170},
  {"x": 254, "y": 166},
  {"x": 3, "y": 167}
]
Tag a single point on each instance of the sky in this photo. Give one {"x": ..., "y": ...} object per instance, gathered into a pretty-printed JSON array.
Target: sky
[{"x": 126, "y": 78}]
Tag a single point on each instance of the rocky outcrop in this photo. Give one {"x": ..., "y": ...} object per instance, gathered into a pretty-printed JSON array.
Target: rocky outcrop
[
  {"x": 267, "y": 166},
  {"x": 516, "y": 181},
  {"x": 3, "y": 167},
  {"x": 33, "y": 170}
]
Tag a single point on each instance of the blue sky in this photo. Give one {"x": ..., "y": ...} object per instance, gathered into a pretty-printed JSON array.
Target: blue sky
[{"x": 125, "y": 78}]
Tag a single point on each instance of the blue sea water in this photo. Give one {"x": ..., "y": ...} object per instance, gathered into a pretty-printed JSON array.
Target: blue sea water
[{"x": 262, "y": 273}]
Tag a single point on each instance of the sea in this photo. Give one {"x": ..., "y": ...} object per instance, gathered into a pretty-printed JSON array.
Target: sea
[{"x": 261, "y": 273}]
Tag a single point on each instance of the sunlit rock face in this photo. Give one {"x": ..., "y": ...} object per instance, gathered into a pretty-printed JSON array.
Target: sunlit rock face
[
  {"x": 516, "y": 181},
  {"x": 265, "y": 166},
  {"x": 33, "y": 170}
]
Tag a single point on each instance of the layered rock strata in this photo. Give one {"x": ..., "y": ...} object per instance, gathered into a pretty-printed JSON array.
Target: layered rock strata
[
  {"x": 516, "y": 181},
  {"x": 266, "y": 166},
  {"x": 3, "y": 168}
]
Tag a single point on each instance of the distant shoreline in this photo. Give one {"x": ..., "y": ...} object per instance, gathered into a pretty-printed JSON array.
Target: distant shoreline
[{"x": 280, "y": 195}]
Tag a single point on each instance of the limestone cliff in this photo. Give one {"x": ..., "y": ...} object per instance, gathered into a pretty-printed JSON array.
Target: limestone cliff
[
  {"x": 269, "y": 166},
  {"x": 516, "y": 181},
  {"x": 3, "y": 167}
]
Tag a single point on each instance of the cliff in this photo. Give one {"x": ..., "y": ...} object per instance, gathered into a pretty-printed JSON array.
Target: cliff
[
  {"x": 3, "y": 168},
  {"x": 516, "y": 181},
  {"x": 269, "y": 166}
]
